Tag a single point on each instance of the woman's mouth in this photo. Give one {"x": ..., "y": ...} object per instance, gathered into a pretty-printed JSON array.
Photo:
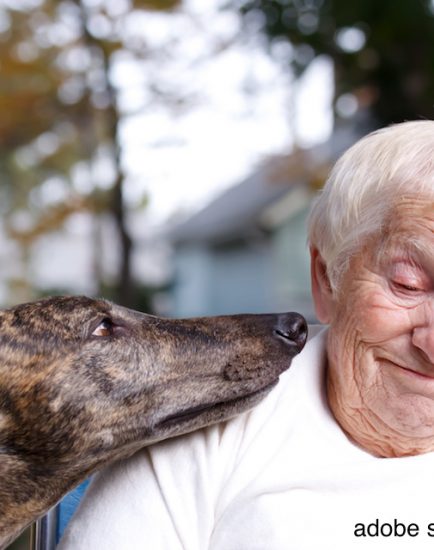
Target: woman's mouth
[{"x": 417, "y": 374}]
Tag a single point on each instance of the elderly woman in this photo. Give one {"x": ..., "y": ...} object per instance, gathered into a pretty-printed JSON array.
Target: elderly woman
[{"x": 339, "y": 455}]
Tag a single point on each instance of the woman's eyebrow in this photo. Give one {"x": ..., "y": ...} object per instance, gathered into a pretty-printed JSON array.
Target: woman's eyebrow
[
  {"x": 412, "y": 252},
  {"x": 416, "y": 252}
]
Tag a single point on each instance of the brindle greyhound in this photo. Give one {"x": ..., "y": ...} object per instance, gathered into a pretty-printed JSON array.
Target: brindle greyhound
[{"x": 84, "y": 382}]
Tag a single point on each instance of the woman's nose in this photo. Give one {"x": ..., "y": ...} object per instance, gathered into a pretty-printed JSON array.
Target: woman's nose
[{"x": 423, "y": 339}]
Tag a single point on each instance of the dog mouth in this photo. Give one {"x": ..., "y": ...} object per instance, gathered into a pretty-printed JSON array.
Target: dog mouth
[{"x": 218, "y": 411}]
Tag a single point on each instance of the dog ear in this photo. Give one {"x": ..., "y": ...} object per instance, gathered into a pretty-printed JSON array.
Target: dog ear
[{"x": 321, "y": 288}]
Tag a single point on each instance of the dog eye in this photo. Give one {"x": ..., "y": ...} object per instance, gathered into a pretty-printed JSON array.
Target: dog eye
[{"x": 105, "y": 328}]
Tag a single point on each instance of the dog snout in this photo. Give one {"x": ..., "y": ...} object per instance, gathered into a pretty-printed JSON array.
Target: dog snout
[{"x": 292, "y": 327}]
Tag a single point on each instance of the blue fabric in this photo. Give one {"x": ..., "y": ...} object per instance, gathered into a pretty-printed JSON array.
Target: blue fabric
[{"x": 67, "y": 507}]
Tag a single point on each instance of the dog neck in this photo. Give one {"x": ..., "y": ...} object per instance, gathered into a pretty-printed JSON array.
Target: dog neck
[
  {"x": 20, "y": 498},
  {"x": 26, "y": 494},
  {"x": 29, "y": 490}
]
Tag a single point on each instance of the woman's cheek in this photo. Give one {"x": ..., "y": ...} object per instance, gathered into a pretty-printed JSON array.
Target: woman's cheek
[{"x": 381, "y": 318}]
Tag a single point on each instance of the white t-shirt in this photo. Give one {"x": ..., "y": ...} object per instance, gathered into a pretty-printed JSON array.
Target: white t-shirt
[{"x": 281, "y": 477}]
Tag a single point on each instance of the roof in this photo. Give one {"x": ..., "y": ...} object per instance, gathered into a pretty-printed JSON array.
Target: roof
[{"x": 236, "y": 213}]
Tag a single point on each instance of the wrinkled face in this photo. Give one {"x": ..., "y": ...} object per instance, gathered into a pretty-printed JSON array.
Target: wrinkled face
[{"x": 381, "y": 339}]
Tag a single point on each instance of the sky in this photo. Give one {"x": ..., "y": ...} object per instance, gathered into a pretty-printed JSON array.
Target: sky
[{"x": 230, "y": 109}]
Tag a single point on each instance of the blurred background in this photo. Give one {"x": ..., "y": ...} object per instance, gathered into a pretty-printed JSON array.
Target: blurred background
[{"x": 164, "y": 153}]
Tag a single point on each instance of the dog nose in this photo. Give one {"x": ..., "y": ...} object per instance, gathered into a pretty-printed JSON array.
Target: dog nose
[{"x": 292, "y": 327}]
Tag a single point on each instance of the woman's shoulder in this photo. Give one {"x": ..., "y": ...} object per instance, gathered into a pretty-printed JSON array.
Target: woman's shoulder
[{"x": 222, "y": 447}]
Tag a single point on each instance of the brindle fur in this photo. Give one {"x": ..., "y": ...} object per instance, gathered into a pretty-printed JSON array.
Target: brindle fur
[{"x": 72, "y": 401}]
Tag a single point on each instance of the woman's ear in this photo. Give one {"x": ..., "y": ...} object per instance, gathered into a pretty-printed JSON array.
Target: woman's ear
[{"x": 321, "y": 287}]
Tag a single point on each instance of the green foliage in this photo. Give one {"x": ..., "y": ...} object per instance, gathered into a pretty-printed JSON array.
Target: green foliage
[
  {"x": 382, "y": 50},
  {"x": 157, "y": 4}
]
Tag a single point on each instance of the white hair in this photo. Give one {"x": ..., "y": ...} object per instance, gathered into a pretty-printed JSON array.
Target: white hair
[{"x": 363, "y": 187}]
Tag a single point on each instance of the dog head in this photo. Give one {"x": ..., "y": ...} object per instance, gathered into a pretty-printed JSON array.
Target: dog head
[{"x": 83, "y": 381}]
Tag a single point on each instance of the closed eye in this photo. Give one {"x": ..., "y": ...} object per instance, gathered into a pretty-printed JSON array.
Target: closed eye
[
  {"x": 409, "y": 288},
  {"x": 105, "y": 328},
  {"x": 407, "y": 276}
]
